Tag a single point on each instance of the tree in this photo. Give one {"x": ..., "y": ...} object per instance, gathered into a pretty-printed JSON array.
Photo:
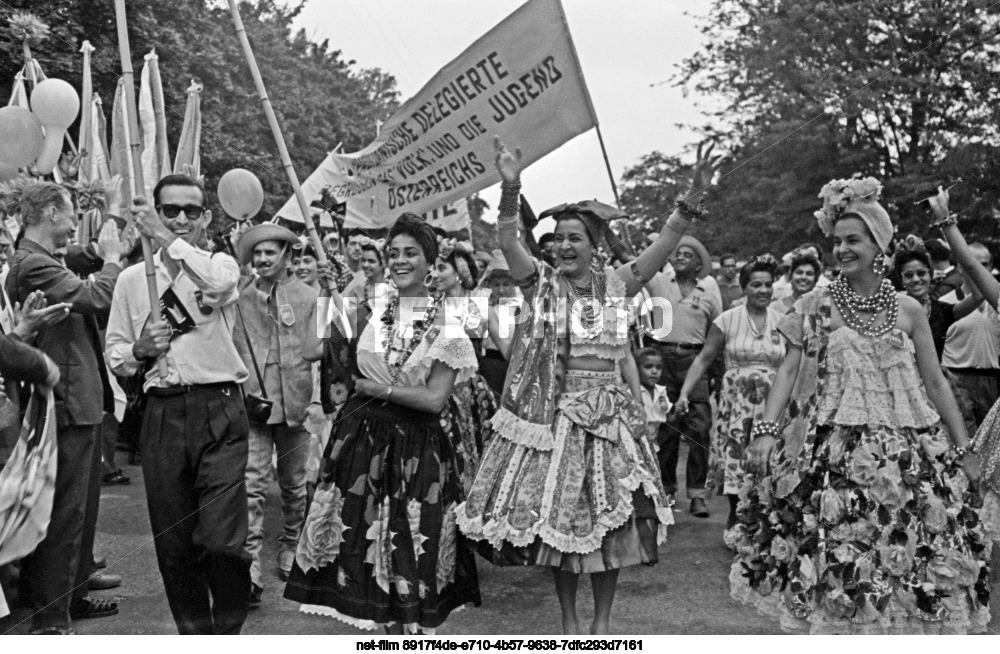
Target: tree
[
  {"x": 318, "y": 96},
  {"x": 814, "y": 90}
]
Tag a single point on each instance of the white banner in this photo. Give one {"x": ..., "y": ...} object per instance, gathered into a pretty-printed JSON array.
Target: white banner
[{"x": 521, "y": 81}]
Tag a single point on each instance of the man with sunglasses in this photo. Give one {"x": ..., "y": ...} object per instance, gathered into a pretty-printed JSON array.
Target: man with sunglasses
[{"x": 194, "y": 440}]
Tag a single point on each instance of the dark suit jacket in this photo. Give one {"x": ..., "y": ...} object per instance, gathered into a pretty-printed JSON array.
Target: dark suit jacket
[
  {"x": 950, "y": 282},
  {"x": 84, "y": 392}
]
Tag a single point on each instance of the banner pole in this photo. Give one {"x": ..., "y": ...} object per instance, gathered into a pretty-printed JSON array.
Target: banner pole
[
  {"x": 607, "y": 165},
  {"x": 272, "y": 120},
  {"x": 136, "y": 147}
]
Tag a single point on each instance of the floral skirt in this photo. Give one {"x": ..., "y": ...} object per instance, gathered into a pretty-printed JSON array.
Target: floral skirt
[
  {"x": 744, "y": 393},
  {"x": 380, "y": 544},
  {"x": 467, "y": 418},
  {"x": 881, "y": 536},
  {"x": 590, "y": 500}
]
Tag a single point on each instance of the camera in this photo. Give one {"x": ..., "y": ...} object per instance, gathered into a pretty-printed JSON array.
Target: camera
[{"x": 258, "y": 409}]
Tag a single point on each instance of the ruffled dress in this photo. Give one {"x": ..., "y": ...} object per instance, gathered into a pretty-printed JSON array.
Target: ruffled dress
[
  {"x": 751, "y": 360},
  {"x": 879, "y": 534},
  {"x": 583, "y": 496},
  {"x": 380, "y": 544}
]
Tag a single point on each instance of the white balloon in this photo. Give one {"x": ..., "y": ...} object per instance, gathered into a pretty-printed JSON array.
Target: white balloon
[{"x": 241, "y": 194}]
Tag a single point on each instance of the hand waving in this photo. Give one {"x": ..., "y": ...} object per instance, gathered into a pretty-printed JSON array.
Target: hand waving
[
  {"x": 508, "y": 164},
  {"x": 705, "y": 166},
  {"x": 939, "y": 204}
]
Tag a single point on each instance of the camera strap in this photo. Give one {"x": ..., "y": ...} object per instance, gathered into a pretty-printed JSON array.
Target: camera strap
[{"x": 253, "y": 358}]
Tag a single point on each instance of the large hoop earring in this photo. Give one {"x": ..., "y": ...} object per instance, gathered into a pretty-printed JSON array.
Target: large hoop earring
[
  {"x": 879, "y": 266},
  {"x": 597, "y": 262}
]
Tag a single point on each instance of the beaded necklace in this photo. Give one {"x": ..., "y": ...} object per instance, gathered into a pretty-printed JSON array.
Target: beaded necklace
[
  {"x": 420, "y": 328},
  {"x": 589, "y": 315},
  {"x": 852, "y": 305},
  {"x": 753, "y": 327}
]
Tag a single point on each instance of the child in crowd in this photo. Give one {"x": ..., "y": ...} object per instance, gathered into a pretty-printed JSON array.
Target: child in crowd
[{"x": 654, "y": 396}]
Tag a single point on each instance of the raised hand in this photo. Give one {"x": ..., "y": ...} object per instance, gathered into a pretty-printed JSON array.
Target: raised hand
[
  {"x": 939, "y": 204},
  {"x": 113, "y": 197},
  {"x": 35, "y": 314},
  {"x": 109, "y": 243},
  {"x": 705, "y": 166},
  {"x": 508, "y": 163},
  {"x": 326, "y": 275}
]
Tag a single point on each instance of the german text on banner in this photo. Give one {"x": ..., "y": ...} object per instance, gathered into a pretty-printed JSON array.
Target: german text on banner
[{"x": 521, "y": 81}]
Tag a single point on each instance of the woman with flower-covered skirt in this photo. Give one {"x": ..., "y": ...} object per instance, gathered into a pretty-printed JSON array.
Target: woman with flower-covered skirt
[
  {"x": 867, "y": 522},
  {"x": 380, "y": 545}
]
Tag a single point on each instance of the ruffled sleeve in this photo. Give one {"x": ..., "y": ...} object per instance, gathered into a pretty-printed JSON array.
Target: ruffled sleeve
[
  {"x": 790, "y": 326},
  {"x": 455, "y": 352}
]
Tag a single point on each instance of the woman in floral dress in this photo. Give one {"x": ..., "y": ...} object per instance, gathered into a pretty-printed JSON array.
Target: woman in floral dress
[
  {"x": 380, "y": 545},
  {"x": 867, "y": 523},
  {"x": 753, "y": 350},
  {"x": 570, "y": 480}
]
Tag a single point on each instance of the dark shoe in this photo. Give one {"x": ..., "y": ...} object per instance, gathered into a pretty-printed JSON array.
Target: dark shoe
[
  {"x": 256, "y": 595},
  {"x": 285, "y": 560},
  {"x": 100, "y": 563},
  {"x": 83, "y": 608},
  {"x": 53, "y": 631},
  {"x": 115, "y": 478},
  {"x": 698, "y": 508},
  {"x": 103, "y": 581}
]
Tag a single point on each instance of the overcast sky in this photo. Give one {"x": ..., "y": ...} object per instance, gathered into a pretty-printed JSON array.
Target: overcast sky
[{"x": 628, "y": 48}]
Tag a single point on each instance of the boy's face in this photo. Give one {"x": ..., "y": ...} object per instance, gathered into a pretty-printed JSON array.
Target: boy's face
[{"x": 650, "y": 368}]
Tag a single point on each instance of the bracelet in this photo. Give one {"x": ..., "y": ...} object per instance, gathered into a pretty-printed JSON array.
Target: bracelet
[
  {"x": 960, "y": 452},
  {"x": 693, "y": 212},
  {"x": 509, "y": 223},
  {"x": 945, "y": 222},
  {"x": 510, "y": 199},
  {"x": 388, "y": 393},
  {"x": 764, "y": 428}
]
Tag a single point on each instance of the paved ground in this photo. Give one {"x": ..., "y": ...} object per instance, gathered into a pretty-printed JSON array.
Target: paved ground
[{"x": 686, "y": 593}]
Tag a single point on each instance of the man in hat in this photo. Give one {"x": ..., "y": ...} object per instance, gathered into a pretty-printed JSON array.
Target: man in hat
[
  {"x": 194, "y": 440},
  {"x": 695, "y": 305},
  {"x": 276, "y": 322}
]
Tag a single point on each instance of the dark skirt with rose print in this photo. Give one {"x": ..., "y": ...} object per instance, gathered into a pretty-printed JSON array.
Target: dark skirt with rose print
[
  {"x": 880, "y": 537},
  {"x": 380, "y": 545}
]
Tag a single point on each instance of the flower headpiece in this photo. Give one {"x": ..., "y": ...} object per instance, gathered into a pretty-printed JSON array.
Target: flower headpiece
[
  {"x": 912, "y": 243},
  {"x": 765, "y": 259},
  {"x": 856, "y": 196}
]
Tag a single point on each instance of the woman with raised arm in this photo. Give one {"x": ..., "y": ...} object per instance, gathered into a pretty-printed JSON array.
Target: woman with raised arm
[
  {"x": 866, "y": 524},
  {"x": 570, "y": 479},
  {"x": 752, "y": 350},
  {"x": 987, "y": 440},
  {"x": 380, "y": 545}
]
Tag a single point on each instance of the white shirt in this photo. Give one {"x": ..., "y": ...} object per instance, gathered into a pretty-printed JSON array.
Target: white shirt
[
  {"x": 206, "y": 354},
  {"x": 973, "y": 341},
  {"x": 657, "y": 406}
]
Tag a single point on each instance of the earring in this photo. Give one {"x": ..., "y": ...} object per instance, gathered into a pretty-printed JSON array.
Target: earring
[
  {"x": 879, "y": 265},
  {"x": 597, "y": 262}
]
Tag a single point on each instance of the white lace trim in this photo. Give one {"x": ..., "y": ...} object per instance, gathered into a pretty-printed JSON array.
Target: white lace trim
[
  {"x": 367, "y": 625},
  {"x": 894, "y": 620},
  {"x": 519, "y": 431},
  {"x": 606, "y": 344},
  {"x": 498, "y": 531},
  {"x": 454, "y": 350}
]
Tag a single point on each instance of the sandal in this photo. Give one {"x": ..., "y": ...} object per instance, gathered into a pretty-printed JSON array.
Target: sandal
[
  {"x": 115, "y": 478},
  {"x": 83, "y": 608}
]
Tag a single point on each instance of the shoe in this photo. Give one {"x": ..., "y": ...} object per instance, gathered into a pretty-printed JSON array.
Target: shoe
[
  {"x": 100, "y": 563},
  {"x": 53, "y": 631},
  {"x": 698, "y": 508},
  {"x": 103, "y": 581},
  {"x": 256, "y": 595},
  {"x": 285, "y": 560},
  {"x": 83, "y": 608},
  {"x": 115, "y": 478}
]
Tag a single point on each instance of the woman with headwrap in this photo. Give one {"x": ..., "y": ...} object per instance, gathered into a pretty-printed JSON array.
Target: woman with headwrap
[
  {"x": 380, "y": 545},
  {"x": 866, "y": 524},
  {"x": 748, "y": 337},
  {"x": 570, "y": 479}
]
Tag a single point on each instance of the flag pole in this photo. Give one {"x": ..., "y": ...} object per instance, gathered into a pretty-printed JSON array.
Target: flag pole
[
  {"x": 136, "y": 146},
  {"x": 272, "y": 120}
]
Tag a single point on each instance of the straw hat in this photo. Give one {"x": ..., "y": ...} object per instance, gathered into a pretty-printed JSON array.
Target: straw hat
[
  {"x": 260, "y": 233},
  {"x": 706, "y": 260}
]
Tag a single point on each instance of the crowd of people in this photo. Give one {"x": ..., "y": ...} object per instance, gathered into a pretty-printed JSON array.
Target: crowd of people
[{"x": 427, "y": 408}]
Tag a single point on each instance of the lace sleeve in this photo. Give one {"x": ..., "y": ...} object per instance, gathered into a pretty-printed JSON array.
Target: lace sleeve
[{"x": 457, "y": 353}]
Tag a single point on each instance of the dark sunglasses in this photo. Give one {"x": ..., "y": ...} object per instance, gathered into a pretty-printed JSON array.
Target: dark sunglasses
[{"x": 192, "y": 211}]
